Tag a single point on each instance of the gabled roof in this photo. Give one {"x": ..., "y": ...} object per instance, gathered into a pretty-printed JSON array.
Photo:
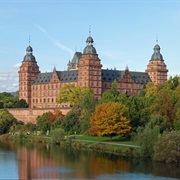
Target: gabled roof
[
  {"x": 107, "y": 76},
  {"x": 111, "y": 75},
  {"x": 68, "y": 76},
  {"x": 43, "y": 78},
  {"x": 137, "y": 77},
  {"x": 140, "y": 77},
  {"x": 64, "y": 76}
]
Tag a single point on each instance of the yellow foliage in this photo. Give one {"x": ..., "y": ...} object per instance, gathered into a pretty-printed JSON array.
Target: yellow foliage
[
  {"x": 109, "y": 119},
  {"x": 151, "y": 89}
]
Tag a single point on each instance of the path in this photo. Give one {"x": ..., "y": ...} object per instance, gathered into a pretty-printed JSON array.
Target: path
[{"x": 112, "y": 143}]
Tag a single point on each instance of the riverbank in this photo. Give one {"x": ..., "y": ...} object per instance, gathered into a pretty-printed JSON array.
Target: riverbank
[{"x": 99, "y": 144}]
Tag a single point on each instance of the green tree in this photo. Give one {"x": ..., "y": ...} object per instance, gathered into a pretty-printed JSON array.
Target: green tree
[
  {"x": 109, "y": 119},
  {"x": 146, "y": 138},
  {"x": 164, "y": 106},
  {"x": 87, "y": 107},
  {"x": 6, "y": 121},
  {"x": 157, "y": 120},
  {"x": 57, "y": 135},
  {"x": 150, "y": 89},
  {"x": 43, "y": 123},
  {"x": 135, "y": 106},
  {"x": 21, "y": 104},
  {"x": 111, "y": 95},
  {"x": 71, "y": 94},
  {"x": 70, "y": 123}
]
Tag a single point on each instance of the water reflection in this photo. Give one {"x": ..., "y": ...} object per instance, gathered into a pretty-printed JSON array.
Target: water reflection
[{"x": 38, "y": 161}]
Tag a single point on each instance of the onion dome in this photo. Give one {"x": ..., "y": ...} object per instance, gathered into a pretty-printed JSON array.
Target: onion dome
[
  {"x": 29, "y": 55},
  {"x": 157, "y": 55},
  {"x": 89, "y": 40},
  {"x": 89, "y": 49}
]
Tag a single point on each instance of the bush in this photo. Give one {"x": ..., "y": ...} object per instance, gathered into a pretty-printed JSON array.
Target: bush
[
  {"x": 167, "y": 148},
  {"x": 57, "y": 135}
]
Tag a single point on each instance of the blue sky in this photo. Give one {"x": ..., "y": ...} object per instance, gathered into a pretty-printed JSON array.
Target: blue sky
[{"x": 124, "y": 33}]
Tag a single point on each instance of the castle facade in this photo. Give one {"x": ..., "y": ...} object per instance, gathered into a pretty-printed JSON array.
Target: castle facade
[{"x": 85, "y": 69}]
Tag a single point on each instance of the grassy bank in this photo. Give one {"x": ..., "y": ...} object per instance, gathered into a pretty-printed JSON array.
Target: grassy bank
[{"x": 118, "y": 146}]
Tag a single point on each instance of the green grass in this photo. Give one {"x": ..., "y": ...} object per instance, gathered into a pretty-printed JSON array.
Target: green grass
[{"x": 116, "y": 139}]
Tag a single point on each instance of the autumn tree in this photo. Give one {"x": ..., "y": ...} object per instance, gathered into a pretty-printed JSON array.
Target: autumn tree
[
  {"x": 109, "y": 119},
  {"x": 150, "y": 89}
]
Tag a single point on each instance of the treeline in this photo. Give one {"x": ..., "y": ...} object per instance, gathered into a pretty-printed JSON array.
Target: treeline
[{"x": 7, "y": 100}]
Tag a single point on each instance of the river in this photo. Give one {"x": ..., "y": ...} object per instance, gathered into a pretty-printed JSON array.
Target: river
[{"x": 38, "y": 161}]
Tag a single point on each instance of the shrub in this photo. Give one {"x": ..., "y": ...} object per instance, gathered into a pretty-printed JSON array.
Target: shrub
[
  {"x": 57, "y": 135},
  {"x": 167, "y": 148}
]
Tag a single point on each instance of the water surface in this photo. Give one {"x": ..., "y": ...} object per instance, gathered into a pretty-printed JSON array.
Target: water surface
[{"x": 38, "y": 161}]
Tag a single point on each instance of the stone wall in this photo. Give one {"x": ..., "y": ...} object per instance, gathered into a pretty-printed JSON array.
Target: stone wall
[{"x": 29, "y": 114}]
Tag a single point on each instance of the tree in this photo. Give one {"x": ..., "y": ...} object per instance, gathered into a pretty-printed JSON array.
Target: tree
[
  {"x": 151, "y": 89},
  {"x": 6, "y": 121},
  {"x": 21, "y": 104},
  {"x": 43, "y": 123},
  {"x": 71, "y": 94},
  {"x": 109, "y": 119},
  {"x": 87, "y": 106},
  {"x": 111, "y": 95},
  {"x": 146, "y": 138},
  {"x": 135, "y": 106},
  {"x": 163, "y": 105},
  {"x": 57, "y": 135},
  {"x": 70, "y": 123},
  {"x": 167, "y": 148},
  {"x": 64, "y": 95}
]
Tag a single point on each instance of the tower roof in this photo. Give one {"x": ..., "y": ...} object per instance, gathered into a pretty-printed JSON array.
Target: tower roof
[
  {"x": 157, "y": 55},
  {"x": 89, "y": 40},
  {"x": 89, "y": 49},
  {"x": 29, "y": 55}
]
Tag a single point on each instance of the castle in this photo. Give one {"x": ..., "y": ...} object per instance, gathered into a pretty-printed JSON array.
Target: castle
[{"x": 85, "y": 69}]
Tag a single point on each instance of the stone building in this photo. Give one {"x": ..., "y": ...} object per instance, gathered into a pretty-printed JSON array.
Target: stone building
[{"x": 85, "y": 69}]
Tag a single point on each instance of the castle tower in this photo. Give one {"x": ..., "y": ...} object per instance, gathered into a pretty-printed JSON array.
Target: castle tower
[
  {"x": 157, "y": 68},
  {"x": 89, "y": 69},
  {"x": 27, "y": 73}
]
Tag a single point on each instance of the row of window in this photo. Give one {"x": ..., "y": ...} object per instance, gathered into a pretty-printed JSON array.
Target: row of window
[
  {"x": 45, "y": 93},
  {"x": 44, "y": 100}
]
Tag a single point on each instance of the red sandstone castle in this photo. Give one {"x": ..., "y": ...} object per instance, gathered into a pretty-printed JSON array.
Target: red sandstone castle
[{"x": 41, "y": 89}]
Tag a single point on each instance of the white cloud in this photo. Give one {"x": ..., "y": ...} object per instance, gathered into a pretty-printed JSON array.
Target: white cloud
[
  {"x": 9, "y": 79},
  {"x": 55, "y": 41},
  {"x": 16, "y": 66}
]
